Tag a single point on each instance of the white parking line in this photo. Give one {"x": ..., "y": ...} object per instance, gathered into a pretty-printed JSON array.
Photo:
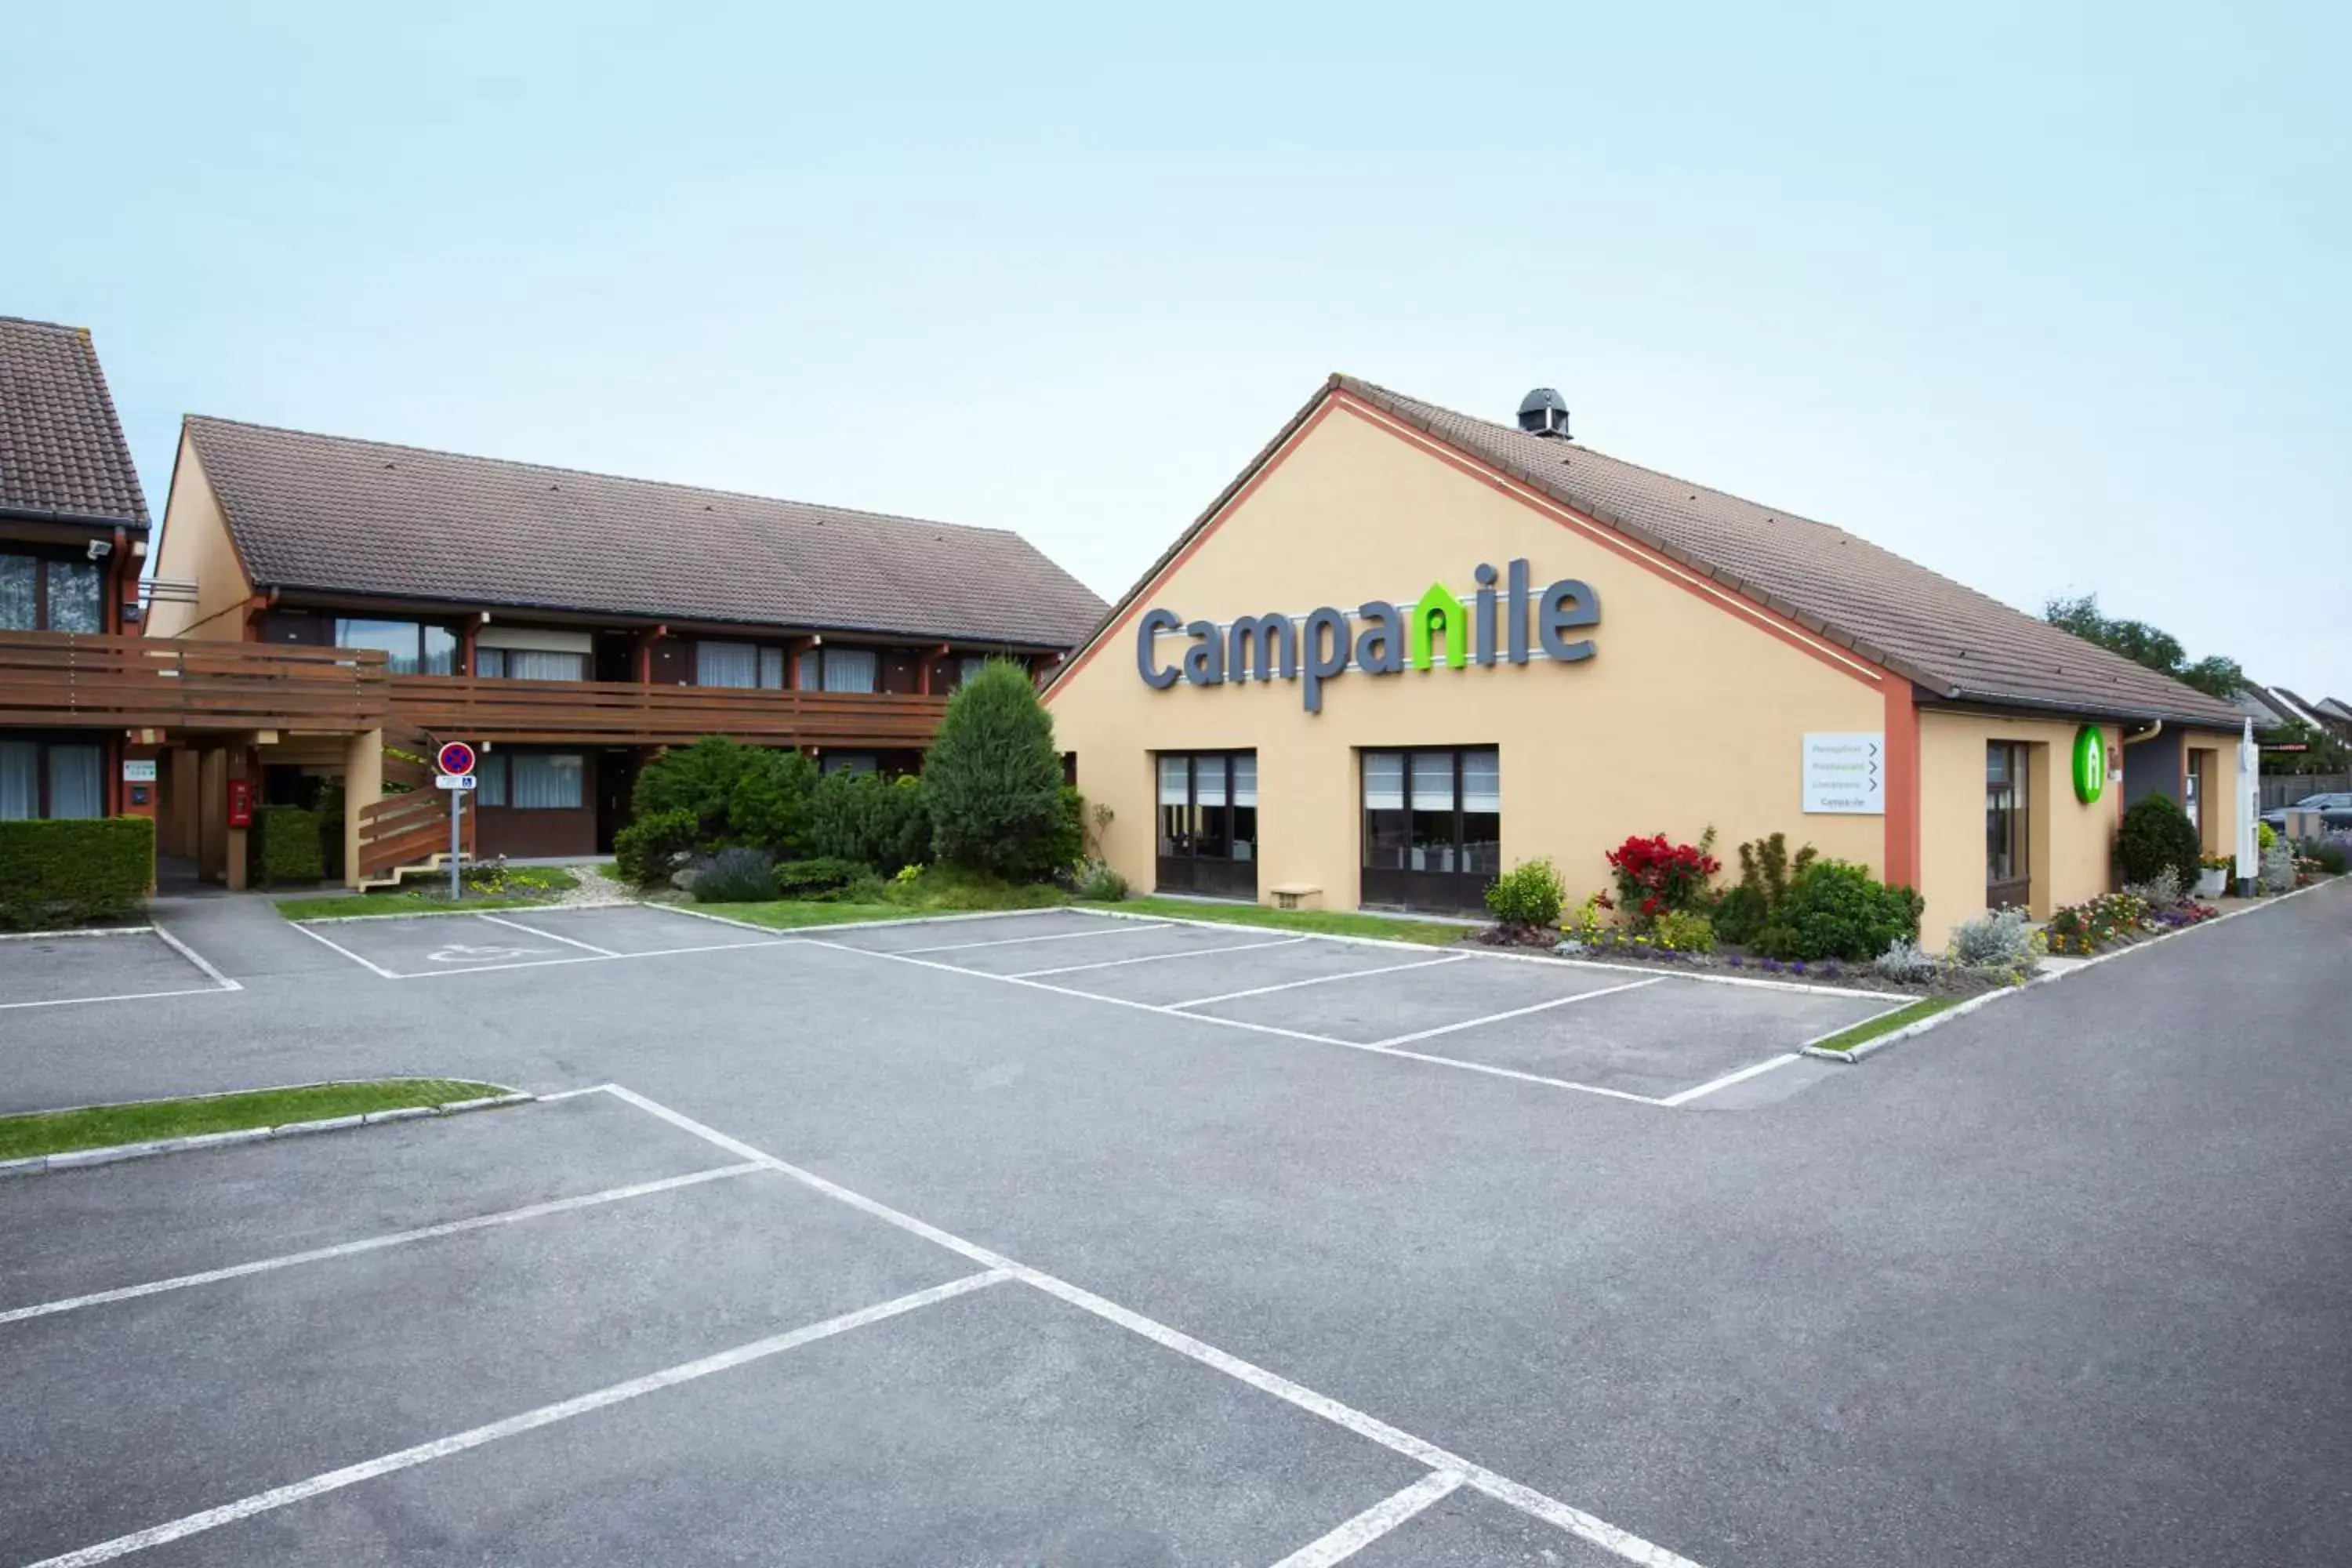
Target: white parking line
[
  {"x": 220, "y": 981},
  {"x": 568, "y": 941},
  {"x": 1243, "y": 1023},
  {"x": 1159, "y": 957},
  {"x": 1576, "y": 1521},
  {"x": 1050, "y": 936},
  {"x": 199, "y": 959},
  {"x": 1727, "y": 1079},
  {"x": 1323, "y": 980},
  {"x": 378, "y": 1243},
  {"x": 530, "y": 1420},
  {"x": 346, "y": 952},
  {"x": 1374, "y": 1522},
  {"x": 124, "y": 996},
  {"x": 1517, "y": 1012}
]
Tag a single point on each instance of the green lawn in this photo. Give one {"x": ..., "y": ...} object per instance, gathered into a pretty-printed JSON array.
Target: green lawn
[
  {"x": 98, "y": 1126},
  {"x": 938, "y": 891},
  {"x": 790, "y": 914},
  {"x": 1322, "y": 922},
  {"x": 519, "y": 888},
  {"x": 1863, "y": 1034}
]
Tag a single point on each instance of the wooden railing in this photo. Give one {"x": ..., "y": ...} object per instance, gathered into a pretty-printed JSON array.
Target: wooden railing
[
  {"x": 59, "y": 678},
  {"x": 407, "y": 830},
  {"x": 615, "y": 712}
]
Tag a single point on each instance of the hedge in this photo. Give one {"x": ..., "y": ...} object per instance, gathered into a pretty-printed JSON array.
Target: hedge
[
  {"x": 289, "y": 846},
  {"x": 64, "y": 873}
]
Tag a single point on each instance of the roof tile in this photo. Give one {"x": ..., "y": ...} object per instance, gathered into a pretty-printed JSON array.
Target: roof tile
[{"x": 61, "y": 447}]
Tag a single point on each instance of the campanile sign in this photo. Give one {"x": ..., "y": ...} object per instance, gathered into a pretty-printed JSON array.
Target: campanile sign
[{"x": 1492, "y": 627}]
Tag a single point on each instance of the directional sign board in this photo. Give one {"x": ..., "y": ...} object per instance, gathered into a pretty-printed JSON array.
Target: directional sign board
[
  {"x": 1846, "y": 774},
  {"x": 456, "y": 757},
  {"x": 453, "y": 780}
]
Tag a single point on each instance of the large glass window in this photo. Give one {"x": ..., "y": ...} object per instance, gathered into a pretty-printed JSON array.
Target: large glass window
[
  {"x": 51, "y": 595},
  {"x": 410, "y": 647},
  {"x": 51, "y": 779},
  {"x": 1433, "y": 827},
  {"x": 839, "y": 669},
  {"x": 2008, "y": 877},
  {"x": 545, "y": 780},
  {"x": 1208, "y": 822},
  {"x": 726, "y": 664}
]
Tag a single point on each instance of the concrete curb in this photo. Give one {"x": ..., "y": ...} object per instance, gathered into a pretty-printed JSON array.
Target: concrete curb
[
  {"x": 784, "y": 933},
  {"x": 452, "y": 914},
  {"x": 74, "y": 1159},
  {"x": 94, "y": 930}
]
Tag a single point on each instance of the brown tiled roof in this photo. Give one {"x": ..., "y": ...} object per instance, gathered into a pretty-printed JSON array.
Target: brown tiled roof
[
  {"x": 334, "y": 515},
  {"x": 1959, "y": 644},
  {"x": 61, "y": 449}
]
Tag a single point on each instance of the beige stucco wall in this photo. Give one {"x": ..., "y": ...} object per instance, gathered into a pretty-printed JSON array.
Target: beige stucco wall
[
  {"x": 2218, "y": 829},
  {"x": 196, "y": 549},
  {"x": 1686, "y": 716},
  {"x": 2070, "y": 844}
]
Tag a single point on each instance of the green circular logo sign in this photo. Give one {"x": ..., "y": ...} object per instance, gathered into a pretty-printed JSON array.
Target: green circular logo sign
[{"x": 2090, "y": 763}]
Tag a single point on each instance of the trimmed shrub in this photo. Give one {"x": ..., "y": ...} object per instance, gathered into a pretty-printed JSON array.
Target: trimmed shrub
[
  {"x": 1095, "y": 880},
  {"x": 993, "y": 781},
  {"x": 1685, "y": 931},
  {"x": 824, "y": 878},
  {"x": 862, "y": 817},
  {"x": 1529, "y": 894},
  {"x": 647, "y": 850},
  {"x": 63, "y": 873},
  {"x": 740, "y": 875},
  {"x": 2157, "y": 833},
  {"x": 753, "y": 795},
  {"x": 1838, "y": 909},
  {"x": 1765, "y": 869},
  {"x": 287, "y": 845},
  {"x": 1998, "y": 939}
]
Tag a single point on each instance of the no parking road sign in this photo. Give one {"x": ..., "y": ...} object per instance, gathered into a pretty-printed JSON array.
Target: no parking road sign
[
  {"x": 456, "y": 761},
  {"x": 456, "y": 757}
]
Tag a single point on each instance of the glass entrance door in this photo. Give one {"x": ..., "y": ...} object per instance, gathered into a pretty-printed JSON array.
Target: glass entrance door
[
  {"x": 1208, "y": 823},
  {"x": 2008, "y": 876},
  {"x": 1433, "y": 827}
]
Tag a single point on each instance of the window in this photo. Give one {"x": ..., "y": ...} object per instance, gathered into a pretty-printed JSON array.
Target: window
[
  {"x": 490, "y": 779},
  {"x": 530, "y": 664},
  {"x": 545, "y": 780},
  {"x": 726, "y": 664},
  {"x": 53, "y": 595},
  {"x": 1433, "y": 827},
  {"x": 2008, "y": 878},
  {"x": 850, "y": 762},
  {"x": 411, "y": 647},
  {"x": 970, "y": 665},
  {"x": 2195, "y": 790},
  {"x": 1208, "y": 822},
  {"x": 849, "y": 669},
  {"x": 51, "y": 779},
  {"x": 772, "y": 669}
]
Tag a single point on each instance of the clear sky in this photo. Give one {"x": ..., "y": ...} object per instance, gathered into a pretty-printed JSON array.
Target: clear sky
[{"x": 2049, "y": 298}]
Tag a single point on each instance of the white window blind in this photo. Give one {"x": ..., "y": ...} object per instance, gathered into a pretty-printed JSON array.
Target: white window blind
[
  {"x": 77, "y": 782},
  {"x": 20, "y": 780},
  {"x": 1433, "y": 781},
  {"x": 545, "y": 780},
  {"x": 1245, "y": 779},
  {"x": 726, "y": 664},
  {"x": 1482, "y": 780},
  {"x": 1208, "y": 780},
  {"x": 1174, "y": 790},
  {"x": 1384, "y": 781}
]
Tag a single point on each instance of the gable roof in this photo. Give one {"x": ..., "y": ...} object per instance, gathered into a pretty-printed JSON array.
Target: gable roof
[
  {"x": 1960, "y": 645},
  {"x": 334, "y": 515},
  {"x": 62, "y": 455}
]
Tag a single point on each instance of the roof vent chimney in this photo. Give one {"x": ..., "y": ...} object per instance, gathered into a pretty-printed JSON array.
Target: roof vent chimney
[{"x": 1541, "y": 413}]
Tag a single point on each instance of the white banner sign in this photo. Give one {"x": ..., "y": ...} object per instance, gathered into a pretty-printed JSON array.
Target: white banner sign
[
  {"x": 453, "y": 780},
  {"x": 1846, "y": 774}
]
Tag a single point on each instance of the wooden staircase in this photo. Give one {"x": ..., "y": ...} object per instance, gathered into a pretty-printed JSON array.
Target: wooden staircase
[{"x": 408, "y": 832}]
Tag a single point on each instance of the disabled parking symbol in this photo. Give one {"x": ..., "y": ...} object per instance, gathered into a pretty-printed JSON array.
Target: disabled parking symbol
[{"x": 463, "y": 953}]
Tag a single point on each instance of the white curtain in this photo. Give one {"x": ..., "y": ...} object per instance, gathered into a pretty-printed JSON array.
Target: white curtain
[
  {"x": 490, "y": 782},
  {"x": 772, "y": 669},
  {"x": 18, "y": 600},
  {"x": 77, "y": 782},
  {"x": 812, "y": 670},
  {"x": 545, "y": 780},
  {"x": 726, "y": 664},
  {"x": 536, "y": 664},
  {"x": 1383, "y": 781},
  {"x": 20, "y": 780},
  {"x": 849, "y": 669}
]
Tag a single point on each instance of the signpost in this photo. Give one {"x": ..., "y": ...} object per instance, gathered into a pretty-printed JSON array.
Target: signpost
[
  {"x": 456, "y": 761},
  {"x": 1845, "y": 774}
]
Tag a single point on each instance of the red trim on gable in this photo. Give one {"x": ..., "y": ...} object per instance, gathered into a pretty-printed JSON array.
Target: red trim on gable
[{"x": 1903, "y": 809}]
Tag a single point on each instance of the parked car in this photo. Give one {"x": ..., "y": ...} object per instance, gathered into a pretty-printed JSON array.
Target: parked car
[{"x": 2335, "y": 810}]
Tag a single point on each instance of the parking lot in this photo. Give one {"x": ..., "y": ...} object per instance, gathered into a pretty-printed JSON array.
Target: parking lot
[
  {"x": 1654, "y": 1037},
  {"x": 51, "y": 970}
]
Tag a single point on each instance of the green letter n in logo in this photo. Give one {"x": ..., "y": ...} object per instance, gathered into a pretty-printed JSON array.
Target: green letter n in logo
[{"x": 1441, "y": 611}]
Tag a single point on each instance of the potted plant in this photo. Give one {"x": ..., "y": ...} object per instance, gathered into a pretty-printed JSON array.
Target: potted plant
[{"x": 2213, "y": 874}]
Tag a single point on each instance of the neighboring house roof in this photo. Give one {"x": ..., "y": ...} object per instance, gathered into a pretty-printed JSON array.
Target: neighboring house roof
[
  {"x": 62, "y": 455},
  {"x": 2263, "y": 706},
  {"x": 334, "y": 515},
  {"x": 1960, "y": 644},
  {"x": 2315, "y": 714}
]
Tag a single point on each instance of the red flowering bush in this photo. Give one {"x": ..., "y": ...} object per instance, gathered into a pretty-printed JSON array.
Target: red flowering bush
[{"x": 1656, "y": 875}]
